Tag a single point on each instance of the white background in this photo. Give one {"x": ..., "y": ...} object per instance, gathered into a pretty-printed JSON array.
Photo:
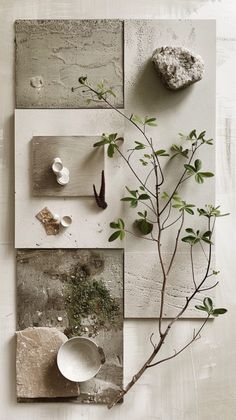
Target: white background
[{"x": 201, "y": 383}]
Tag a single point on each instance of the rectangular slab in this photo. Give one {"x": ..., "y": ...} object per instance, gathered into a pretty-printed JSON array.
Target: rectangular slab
[
  {"x": 84, "y": 162},
  {"x": 143, "y": 283},
  {"x": 176, "y": 112},
  {"x": 52, "y": 54},
  {"x": 90, "y": 225},
  {"x": 78, "y": 292}
]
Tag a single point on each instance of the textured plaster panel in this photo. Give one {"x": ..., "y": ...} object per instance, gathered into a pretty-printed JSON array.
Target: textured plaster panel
[
  {"x": 193, "y": 107},
  {"x": 37, "y": 374},
  {"x": 80, "y": 292},
  {"x": 52, "y": 54},
  {"x": 143, "y": 284},
  {"x": 84, "y": 162},
  {"x": 90, "y": 226}
]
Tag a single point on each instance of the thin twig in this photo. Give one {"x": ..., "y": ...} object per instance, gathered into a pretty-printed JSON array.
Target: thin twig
[{"x": 192, "y": 266}]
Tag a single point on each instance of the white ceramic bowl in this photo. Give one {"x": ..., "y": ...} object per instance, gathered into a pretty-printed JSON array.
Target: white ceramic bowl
[
  {"x": 79, "y": 359},
  {"x": 66, "y": 221}
]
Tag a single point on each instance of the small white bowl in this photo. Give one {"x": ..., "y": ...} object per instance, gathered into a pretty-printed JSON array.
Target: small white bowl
[
  {"x": 66, "y": 221},
  {"x": 79, "y": 359}
]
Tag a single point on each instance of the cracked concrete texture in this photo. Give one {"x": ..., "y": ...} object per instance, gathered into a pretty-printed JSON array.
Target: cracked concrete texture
[
  {"x": 76, "y": 292},
  {"x": 52, "y": 54}
]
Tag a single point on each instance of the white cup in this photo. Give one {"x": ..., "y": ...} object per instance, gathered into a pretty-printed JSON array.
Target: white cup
[{"x": 57, "y": 165}]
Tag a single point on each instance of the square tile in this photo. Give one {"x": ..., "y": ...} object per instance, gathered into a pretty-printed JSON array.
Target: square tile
[
  {"x": 52, "y": 54},
  {"x": 77, "y": 293}
]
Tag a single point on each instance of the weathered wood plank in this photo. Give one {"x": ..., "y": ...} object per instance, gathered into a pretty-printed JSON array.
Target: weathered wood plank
[
  {"x": 84, "y": 163},
  {"x": 52, "y": 54}
]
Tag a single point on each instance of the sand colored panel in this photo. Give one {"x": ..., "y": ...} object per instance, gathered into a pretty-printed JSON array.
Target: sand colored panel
[{"x": 143, "y": 283}]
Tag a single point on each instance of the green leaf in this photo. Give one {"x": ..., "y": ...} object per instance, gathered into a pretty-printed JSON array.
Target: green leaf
[
  {"x": 132, "y": 192},
  {"x": 207, "y": 174},
  {"x": 161, "y": 152},
  {"x": 139, "y": 146},
  {"x": 126, "y": 199},
  {"x": 144, "y": 197},
  {"x": 201, "y": 135},
  {"x": 134, "y": 203},
  {"x": 121, "y": 223},
  {"x": 189, "y": 230},
  {"x": 150, "y": 121},
  {"x": 188, "y": 210},
  {"x": 191, "y": 240},
  {"x": 114, "y": 225},
  {"x": 201, "y": 308},
  {"x": 101, "y": 143},
  {"x": 114, "y": 236},
  {"x": 144, "y": 163},
  {"x": 219, "y": 311},
  {"x": 193, "y": 134},
  {"x": 208, "y": 303},
  {"x": 165, "y": 196},
  {"x": 111, "y": 92},
  {"x": 122, "y": 235},
  {"x": 198, "y": 164},
  {"x": 190, "y": 169},
  {"x": 198, "y": 178},
  {"x": 144, "y": 226},
  {"x": 110, "y": 150},
  {"x": 136, "y": 119},
  {"x": 112, "y": 136}
]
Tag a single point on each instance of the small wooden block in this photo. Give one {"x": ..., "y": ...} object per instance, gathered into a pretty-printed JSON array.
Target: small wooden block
[{"x": 77, "y": 153}]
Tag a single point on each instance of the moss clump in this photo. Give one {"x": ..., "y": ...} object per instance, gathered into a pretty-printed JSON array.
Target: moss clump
[{"x": 87, "y": 298}]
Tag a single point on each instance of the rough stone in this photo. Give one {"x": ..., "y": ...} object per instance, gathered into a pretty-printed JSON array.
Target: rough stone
[
  {"x": 36, "y": 368},
  {"x": 178, "y": 67}
]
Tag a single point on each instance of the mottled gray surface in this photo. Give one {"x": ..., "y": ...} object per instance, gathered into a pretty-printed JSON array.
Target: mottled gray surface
[
  {"x": 54, "y": 290},
  {"x": 178, "y": 67},
  {"x": 52, "y": 54},
  {"x": 37, "y": 374},
  {"x": 77, "y": 153}
]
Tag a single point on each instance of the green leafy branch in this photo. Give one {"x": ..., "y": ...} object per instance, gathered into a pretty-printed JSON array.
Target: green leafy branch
[
  {"x": 195, "y": 237},
  {"x": 208, "y": 307},
  {"x": 196, "y": 171}
]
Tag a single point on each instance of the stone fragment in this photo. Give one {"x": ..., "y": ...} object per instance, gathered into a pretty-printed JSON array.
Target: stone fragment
[
  {"x": 178, "y": 67},
  {"x": 36, "y": 368},
  {"x": 50, "y": 224}
]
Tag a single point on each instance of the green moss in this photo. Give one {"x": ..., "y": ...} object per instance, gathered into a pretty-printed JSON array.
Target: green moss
[{"x": 88, "y": 298}]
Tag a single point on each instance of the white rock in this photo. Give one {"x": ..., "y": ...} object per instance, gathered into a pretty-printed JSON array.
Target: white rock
[{"x": 178, "y": 67}]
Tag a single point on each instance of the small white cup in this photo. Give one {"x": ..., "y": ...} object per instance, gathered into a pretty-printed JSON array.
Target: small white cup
[
  {"x": 66, "y": 221},
  {"x": 57, "y": 165}
]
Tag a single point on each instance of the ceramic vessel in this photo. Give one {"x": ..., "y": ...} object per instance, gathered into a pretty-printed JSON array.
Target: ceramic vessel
[
  {"x": 80, "y": 359},
  {"x": 66, "y": 221}
]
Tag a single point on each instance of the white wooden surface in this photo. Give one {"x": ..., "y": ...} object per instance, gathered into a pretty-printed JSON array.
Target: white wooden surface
[{"x": 200, "y": 384}]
